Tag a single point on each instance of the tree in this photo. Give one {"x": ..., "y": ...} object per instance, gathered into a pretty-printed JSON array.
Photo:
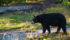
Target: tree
[
  {"x": 0, "y": 3},
  {"x": 4, "y": 2},
  {"x": 22, "y": 1}
]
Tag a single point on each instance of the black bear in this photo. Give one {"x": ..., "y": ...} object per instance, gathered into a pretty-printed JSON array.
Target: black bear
[{"x": 53, "y": 19}]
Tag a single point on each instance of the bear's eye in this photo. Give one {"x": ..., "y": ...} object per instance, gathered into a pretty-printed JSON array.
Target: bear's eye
[{"x": 35, "y": 19}]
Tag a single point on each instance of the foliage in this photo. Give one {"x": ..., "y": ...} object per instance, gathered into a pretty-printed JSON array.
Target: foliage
[
  {"x": 65, "y": 2},
  {"x": 69, "y": 0},
  {"x": 59, "y": 8},
  {"x": 20, "y": 26},
  {"x": 6, "y": 2},
  {"x": 3, "y": 2}
]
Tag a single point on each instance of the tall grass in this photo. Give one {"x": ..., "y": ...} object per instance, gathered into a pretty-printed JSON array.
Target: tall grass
[{"x": 19, "y": 17}]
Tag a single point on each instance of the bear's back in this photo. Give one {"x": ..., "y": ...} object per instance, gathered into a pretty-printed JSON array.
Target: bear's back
[
  {"x": 52, "y": 15},
  {"x": 53, "y": 18}
]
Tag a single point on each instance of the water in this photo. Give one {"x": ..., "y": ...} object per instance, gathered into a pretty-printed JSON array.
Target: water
[
  {"x": 22, "y": 35},
  {"x": 14, "y": 36},
  {"x": 17, "y": 35},
  {"x": 18, "y": 8}
]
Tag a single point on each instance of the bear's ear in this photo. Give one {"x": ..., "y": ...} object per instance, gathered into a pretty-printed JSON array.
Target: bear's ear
[{"x": 38, "y": 17}]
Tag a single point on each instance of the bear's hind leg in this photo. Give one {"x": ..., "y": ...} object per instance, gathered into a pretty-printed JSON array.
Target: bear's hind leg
[
  {"x": 64, "y": 30},
  {"x": 58, "y": 29}
]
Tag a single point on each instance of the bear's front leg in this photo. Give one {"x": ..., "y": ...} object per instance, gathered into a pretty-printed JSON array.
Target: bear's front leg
[
  {"x": 48, "y": 28},
  {"x": 44, "y": 29}
]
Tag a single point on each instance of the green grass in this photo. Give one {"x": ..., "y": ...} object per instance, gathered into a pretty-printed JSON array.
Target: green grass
[
  {"x": 65, "y": 2},
  {"x": 60, "y": 9},
  {"x": 19, "y": 17}
]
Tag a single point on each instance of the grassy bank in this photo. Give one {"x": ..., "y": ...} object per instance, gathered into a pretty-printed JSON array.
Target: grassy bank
[{"x": 19, "y": 18}]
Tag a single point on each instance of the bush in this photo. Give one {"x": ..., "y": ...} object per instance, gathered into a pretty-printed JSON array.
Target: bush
[{"x": 65, "y": 2}]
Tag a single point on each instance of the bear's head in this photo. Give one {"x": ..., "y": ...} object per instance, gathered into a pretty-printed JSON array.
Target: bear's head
[{"x": 36, "y": 19}]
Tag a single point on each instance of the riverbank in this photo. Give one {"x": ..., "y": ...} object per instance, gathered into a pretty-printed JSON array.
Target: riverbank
[{"x": 17, "y": 35}]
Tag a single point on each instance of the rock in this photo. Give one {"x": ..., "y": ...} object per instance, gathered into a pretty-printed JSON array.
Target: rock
[{"x": 1, "y": 36}]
